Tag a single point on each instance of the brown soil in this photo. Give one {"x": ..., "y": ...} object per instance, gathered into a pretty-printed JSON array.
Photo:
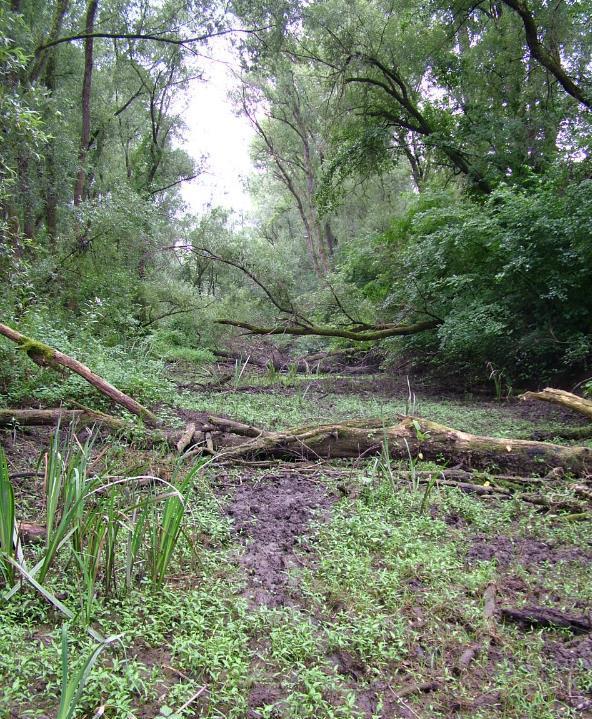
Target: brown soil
[{"x": 271, "y": 517}]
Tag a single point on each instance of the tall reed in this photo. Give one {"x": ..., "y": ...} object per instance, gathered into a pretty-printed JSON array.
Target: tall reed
[{"x": 8, "y": 534}]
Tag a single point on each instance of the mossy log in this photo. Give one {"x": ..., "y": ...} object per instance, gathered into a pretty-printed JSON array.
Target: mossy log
[
  {"x": 51, "y": 417},
  {"x": 46, "y": 356},
  {"x": 411, "y": 437},
  {"x": 84, "y": 417},
  {"x": 563, "y": 399}
]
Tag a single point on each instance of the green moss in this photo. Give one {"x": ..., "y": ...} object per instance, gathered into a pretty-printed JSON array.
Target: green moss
[{"x": 35, "y": 349}]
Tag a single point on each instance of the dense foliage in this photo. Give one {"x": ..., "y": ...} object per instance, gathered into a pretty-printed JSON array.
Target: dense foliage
[{"x": 412, "y": 160}]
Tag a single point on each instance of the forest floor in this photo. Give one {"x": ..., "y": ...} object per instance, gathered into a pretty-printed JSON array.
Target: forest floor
[{"x": 316, "y": 590}]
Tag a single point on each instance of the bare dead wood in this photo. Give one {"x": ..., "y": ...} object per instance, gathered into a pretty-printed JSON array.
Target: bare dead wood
[
  {"x": 360, "y": 438},
  {"x": 81, "y": 418},
  {"x": 583, "y": 491},
  {"x": 467, "y": 656},
  {"x": 46, "y": 356},
  {"x": 534, "y": 616},
  {"x": 553, "y": 505},
  {"x": 470, "y": 488},
  {"x": 486, "y": 636},
  {"x": 51, "y": 417},
  {"x": 455, "y": 474},
  {"x": 416, "y": 688},
  {"x": 31, "y": 532},
  {"x": 186, "y": 438},
  {"x": 234, "y": 427},
  {"x": 489, "y": 605},
  {"x": 563, "y": 399}
]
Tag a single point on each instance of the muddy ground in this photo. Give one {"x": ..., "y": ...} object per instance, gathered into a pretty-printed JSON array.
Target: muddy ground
[{"x": 275, "y": 514}]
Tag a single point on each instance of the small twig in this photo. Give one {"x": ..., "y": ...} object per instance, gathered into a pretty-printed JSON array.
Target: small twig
[
  {"x": 197, "y": 694},
  {"x": 177, "y": 672}
]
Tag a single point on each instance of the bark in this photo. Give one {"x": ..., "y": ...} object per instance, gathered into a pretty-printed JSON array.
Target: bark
[
  {"x": 51, "y": 194},
  {"x": 51, "y": 417},
  {"x": 409, "y": 438},
  {"x": 84, "y": 417},
  {"x": 42, "y": 57},
  {"x": 547, "y": 617},
  {"x": 563, "y": 399},
  {"x": 46, "y": 356},
  {"x": 91, "y": 12},
  {"x": 354, "y": 439}
]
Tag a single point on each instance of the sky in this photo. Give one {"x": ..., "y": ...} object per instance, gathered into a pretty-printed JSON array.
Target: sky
[{"x": 213, "y": 129}]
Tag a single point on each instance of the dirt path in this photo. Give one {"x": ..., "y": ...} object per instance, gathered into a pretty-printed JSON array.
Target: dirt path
[{"x": 272, "y": 516}]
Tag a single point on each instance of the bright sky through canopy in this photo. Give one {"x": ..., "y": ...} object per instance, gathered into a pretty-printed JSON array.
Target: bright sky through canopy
[{"x": 214, "y": 130}]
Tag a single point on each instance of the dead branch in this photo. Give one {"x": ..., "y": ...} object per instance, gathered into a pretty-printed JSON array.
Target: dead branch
[
  {"x": 546, "y": 617},
  {"x": 563, "y": 399},
  {"x": 51, "y": 417},
  {"x": 415, "y": 436},
  {"x": 46, "y": 356},
  {"x": 377, "y": 333}
]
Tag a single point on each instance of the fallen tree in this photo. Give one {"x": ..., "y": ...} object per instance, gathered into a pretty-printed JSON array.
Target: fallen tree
[
  {"x": 51, "y": 417},
  {"x": 366, "y": 333},
  {"x": 292, "y": 322},
  {"x": 411, "y": 438},
  {"x": 563, "y": 399},
  {"x": 46, "y": 356},
  {"x": 408, "y": 439}
]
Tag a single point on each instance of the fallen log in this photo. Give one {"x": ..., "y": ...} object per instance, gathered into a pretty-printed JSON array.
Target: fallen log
[
  {"x": 51, "y": 417},
  {"x": 81, "y": 418},
  {"x": 411, "y": 437},
  {"x": 46, "y": 356},
  {"x": 563, "y": 399},
  {"x": 546, "y": 617},
  {"x": 572, "y": 433}
]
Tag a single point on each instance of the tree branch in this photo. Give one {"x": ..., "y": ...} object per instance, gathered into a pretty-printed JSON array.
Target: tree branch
[
  {"x": 142, "y": 36},
  {"x": 543, "y": 56},
  {"x": 377, "y": 333}
]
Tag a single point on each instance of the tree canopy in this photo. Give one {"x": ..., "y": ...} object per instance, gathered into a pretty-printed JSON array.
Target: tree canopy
[{"x": 421, "y": 178}]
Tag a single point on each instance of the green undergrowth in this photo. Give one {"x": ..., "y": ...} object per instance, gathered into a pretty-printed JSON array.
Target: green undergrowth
[
  {"x": 392, "y": 598},
  {"x": 307, "y": 404}
]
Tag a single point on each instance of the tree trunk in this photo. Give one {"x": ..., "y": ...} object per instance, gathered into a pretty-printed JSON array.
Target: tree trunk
[
  {"x": 51, "y": 417},
  {"x": 563, "y": 399},
  {"x": 409, "y": 439},
  {"x": 46, "y": 356},
  {"x": 91, "y": 12}
]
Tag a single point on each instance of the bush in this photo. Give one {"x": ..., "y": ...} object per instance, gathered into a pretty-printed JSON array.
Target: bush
[
  {"x": 129, "y": 365},
  {"x": 509, "y": 276}
]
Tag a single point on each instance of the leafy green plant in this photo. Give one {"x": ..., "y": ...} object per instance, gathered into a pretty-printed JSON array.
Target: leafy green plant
[
  {"x": 66, "y": 491},
  {"x": 431, "y": 483},
  {"x": 239, "y": 370},
  {"x": 75, "y": 679},
  {"x": 164, "y": 526},
  {"x": 8, "y": 535}
]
